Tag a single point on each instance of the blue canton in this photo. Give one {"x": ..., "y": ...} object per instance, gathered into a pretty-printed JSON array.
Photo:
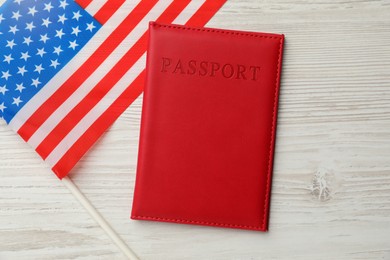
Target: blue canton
[{"x": 37, "y": 39}]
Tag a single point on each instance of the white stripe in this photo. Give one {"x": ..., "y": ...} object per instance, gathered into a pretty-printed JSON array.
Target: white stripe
[
  {"x": 189, "y": 11},
  {"x": 52, "y": 86},
  {"x": 77, "y": 97},
  {"x": 99, "y": 109},
  {"x": 93, "y": 7}
]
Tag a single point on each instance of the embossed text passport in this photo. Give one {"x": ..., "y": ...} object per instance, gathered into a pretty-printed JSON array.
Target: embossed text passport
[{"x": 208, "y": 127}]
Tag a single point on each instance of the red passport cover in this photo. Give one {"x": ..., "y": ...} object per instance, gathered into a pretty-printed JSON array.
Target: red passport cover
[{"x": 208, "y": 127}]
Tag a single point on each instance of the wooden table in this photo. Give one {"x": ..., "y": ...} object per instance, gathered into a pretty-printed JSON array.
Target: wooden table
[{"x": 331, "y": 185}]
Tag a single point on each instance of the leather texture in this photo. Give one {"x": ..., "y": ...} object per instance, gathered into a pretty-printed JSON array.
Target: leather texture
[{"x": 208, "y": 127}]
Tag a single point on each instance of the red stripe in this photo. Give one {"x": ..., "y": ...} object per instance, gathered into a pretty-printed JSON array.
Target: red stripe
[
  {"x": 107, "y": 10},
  {"x": 67, "y": 89},
  {"x": 205, "y": 12},
  {"x": 83, "y": 3},
  {"x": 105, "y": 85}
]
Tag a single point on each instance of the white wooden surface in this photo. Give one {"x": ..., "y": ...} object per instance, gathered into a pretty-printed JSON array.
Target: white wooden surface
[{"x": 331, "y": 185}]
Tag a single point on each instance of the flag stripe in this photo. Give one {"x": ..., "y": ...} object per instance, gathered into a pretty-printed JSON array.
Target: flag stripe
[
  {"x": 102, "y": 87},
  {"x": 106, "y": 11},
  {"x": 84, "y": 3},
  {"x": 75, "y": 151},
  {"x": 51, "y": 87},
  {"x": 189, "y": 11},
  {"x": 86, "y": 69},
  {"x": 94, "y": 6},
  {"x": 205, "y": 12}
]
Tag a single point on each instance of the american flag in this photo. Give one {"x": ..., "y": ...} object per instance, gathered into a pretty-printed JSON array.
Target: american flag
[{"x": 70, "y": 68}]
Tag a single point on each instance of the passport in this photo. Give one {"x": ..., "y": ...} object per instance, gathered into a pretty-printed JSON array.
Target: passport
[{"x": 208, "y": 127}]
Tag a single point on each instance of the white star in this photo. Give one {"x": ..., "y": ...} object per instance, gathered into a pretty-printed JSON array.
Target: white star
[
  {"x": 54, "y": 63},
  {"x": 48, "y": 7},
  {"x": 76, "y": 15},
  {"x": 90, "y": 26},
  {"x": 13, "y": 29},
  {"x": 63, "y": 4},
  {"x": 57, "y": 50},
  {"x": 8, "y": 58},
  {"x": 75, "y": 30},
  {"x": 18, "y": 1},
  {"x": 24, "y": 56},
  {"x": 38, "y": 68},
  {"x": 27, "y": 40},
  {"x": 11, "y": 44},
  {"x": 41, "y": 52},
  {"x": 19, "y": 87},
  {"x": 2, "y": 107},
  {"x": 16, "y": 15},
  {"x": 44, "y": 38},
  {"x": 3, "y": 89},
  {"x": 1, "y": 18},
  {"x": 6, "y": 75},
  {"x": 46, "y": 22},
  {"x": 35, "y": 82},
  {"x": 30, "y": 26},
  {"x": 32, "y": 11},
  {"x": 59, "y": 33},
  {"x": 73, "y": 44},
  {"x": 62, "y": 18},
  {"x": 22, "y": 70},
  {"x": 17, "y": 101}
]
